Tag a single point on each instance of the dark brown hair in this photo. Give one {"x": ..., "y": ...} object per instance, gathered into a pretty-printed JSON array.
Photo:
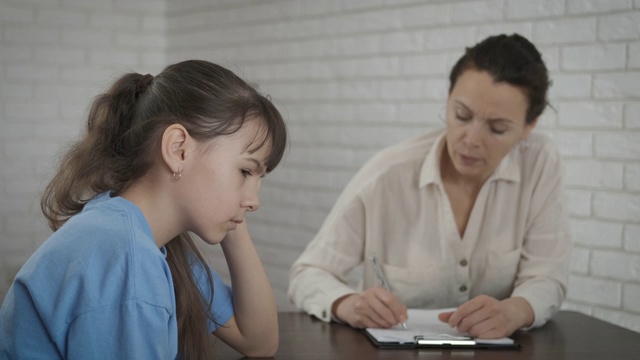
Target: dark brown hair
[
  {"x": 514, "y": 60},
  {"x": 124, "y": 130}
]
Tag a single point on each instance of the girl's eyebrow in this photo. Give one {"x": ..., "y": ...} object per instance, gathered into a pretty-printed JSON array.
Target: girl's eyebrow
[{"x": 259, "y": 166}]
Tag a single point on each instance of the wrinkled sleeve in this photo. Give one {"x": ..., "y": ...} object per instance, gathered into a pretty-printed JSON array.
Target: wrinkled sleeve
[
  {"x": 319, "y": 276},
  {"x": 130, "y": 330},
  {"x": 544, "y": 266},
  {"x": 222, "y": 305},
  {"x": 23, "y": 333}
]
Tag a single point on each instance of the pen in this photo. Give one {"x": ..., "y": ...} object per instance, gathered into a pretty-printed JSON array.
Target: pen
[{"x": 382, "y": 279}]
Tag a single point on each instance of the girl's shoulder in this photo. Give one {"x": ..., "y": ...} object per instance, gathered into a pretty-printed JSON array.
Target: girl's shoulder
[
  {"x": 102, "y": 229},
  {"x": 101, "y": 256}
]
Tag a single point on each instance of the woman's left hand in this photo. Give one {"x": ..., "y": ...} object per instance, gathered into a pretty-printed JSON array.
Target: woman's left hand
[{"x": 488, "y": 318}]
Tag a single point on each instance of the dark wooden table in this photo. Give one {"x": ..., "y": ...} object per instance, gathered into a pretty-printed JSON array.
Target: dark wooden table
[{"x": 570, "y": 335}]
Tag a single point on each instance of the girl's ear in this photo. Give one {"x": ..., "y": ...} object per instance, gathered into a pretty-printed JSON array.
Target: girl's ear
[{"x": 176, "y": 144}]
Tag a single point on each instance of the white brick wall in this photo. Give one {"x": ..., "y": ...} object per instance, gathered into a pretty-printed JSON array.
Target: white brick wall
[
  {"x": 351, "y": 77},
  {"x": 54, "y": 57}
]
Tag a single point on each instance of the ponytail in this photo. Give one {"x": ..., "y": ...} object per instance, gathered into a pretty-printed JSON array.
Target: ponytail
[{"x": 102, "y": 160}]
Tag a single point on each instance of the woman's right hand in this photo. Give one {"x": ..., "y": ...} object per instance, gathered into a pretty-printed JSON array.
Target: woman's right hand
[{"x": 375, "y": 307}]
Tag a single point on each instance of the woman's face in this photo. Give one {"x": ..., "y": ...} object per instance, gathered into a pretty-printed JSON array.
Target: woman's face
[
  {"x": 485, "y": 120},
  {"x": 222, "y": 184}
]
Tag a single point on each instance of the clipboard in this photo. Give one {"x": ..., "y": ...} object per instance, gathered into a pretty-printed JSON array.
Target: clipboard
[{"x": 426, "y": 331}]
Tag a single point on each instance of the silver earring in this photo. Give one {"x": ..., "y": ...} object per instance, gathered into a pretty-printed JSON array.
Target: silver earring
[
  {"x": 523, "y": 145},
  {"x": 177, "y": 175}
]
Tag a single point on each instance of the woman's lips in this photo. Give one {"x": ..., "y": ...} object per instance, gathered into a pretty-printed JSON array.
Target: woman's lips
[{"x": 468, "y": 160}]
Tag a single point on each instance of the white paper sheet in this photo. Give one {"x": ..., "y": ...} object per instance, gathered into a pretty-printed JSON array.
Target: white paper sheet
[{"x": 425, "y": 323}]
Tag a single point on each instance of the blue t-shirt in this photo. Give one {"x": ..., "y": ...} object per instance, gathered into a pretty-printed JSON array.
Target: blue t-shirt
[{"x": 99, "y": 287}]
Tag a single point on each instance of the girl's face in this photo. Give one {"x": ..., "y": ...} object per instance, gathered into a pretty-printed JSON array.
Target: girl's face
[
  {"x": 485, "y": 120},
  {"x": 222, "y": 183}
]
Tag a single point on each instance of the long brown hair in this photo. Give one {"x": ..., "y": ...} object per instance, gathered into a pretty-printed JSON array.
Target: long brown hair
[{"x": 124, "y": 131}]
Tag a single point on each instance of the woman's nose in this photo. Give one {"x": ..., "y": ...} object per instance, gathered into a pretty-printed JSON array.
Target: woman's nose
[{"x": 473, "y": 132}]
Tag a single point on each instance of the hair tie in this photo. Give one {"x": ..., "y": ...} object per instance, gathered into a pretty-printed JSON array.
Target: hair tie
[{"x": 143, "y": 83}]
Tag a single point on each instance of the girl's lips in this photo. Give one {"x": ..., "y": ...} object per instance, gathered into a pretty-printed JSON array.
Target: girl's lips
[{"x": 233, "y": 224}]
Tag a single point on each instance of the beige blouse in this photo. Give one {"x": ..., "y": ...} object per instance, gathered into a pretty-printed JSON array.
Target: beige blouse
[{"x": 516, "y": 243}]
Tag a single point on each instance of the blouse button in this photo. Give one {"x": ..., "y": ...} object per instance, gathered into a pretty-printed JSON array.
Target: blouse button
[
  {"x": 463, "y": 262},
  {"x": 324, "y": 314},
  {"x": 463, "y": 288}
]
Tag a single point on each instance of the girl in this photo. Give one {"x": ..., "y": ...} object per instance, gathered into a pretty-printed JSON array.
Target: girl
[{"x": 180, "y": 152}]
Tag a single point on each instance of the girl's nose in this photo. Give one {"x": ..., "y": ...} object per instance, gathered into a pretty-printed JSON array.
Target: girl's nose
[{"x": 251, "y": 201}]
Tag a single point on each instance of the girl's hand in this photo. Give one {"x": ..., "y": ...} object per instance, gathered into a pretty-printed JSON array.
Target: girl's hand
[{"x": 253, "y": 330}]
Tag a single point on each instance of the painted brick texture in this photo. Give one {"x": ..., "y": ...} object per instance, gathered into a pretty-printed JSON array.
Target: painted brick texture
[
  {"x": 54, "y": 57},
  {"x": 351, "y": 77}
]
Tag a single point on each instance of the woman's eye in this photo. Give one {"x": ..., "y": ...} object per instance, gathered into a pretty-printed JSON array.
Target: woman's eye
[
  {"x": 498, "y": 131},
  {"x": 245, "y": 172},
  {"x": 463, "y": 118}
]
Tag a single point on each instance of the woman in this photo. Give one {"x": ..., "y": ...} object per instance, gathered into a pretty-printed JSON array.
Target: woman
[
  {"x": 121, "y": 278},
  {"x": 470, "y": 217}
]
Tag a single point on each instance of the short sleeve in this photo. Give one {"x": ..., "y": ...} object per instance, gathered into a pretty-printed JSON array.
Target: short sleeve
[
  {"x": 130, "y": 330},
  {"x": 222, "y": 305}
]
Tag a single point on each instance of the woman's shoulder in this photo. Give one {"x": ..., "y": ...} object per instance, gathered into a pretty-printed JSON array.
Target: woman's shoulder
[
  {"x": 538, "y": 159},
  {"x": 540, "y": 149},
  {"x": 408, "y": 150},
  {"x": 408, "y": 154}
]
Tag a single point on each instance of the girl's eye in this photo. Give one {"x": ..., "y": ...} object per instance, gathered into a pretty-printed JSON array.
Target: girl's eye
[
  {"x": 245, "y": 172},
  {"x": 498, "y": 131},
  {"x": 463, "y": 118}
]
